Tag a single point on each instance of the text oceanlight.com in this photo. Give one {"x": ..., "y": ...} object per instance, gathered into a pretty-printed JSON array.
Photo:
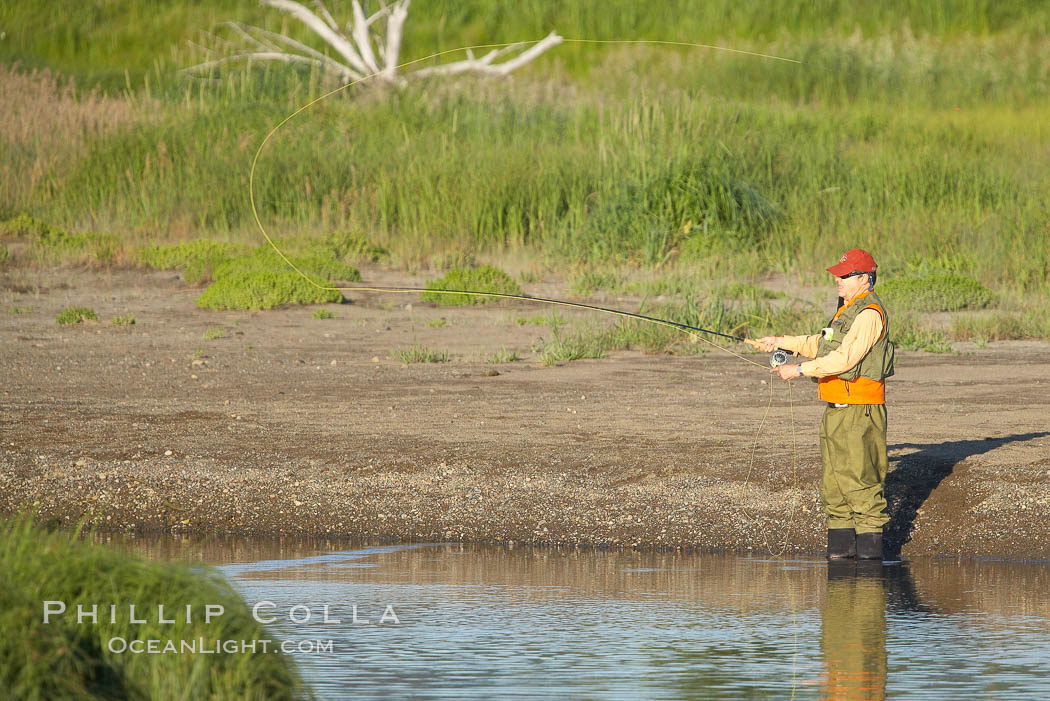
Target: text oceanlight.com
[{"x": 201, "y": 646}]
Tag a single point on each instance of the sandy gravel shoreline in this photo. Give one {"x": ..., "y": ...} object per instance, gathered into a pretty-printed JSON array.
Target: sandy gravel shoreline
[{"x": 290, "y": 425}]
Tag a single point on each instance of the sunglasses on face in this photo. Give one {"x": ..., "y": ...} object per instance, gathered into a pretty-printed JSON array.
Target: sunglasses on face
[{"x": 855, "y": 273}]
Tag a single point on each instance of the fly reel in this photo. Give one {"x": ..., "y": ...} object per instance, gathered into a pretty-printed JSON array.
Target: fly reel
[{"x": 778, "y": 358}]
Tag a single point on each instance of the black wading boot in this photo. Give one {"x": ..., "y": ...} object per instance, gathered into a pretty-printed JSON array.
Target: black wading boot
[
  {"x": 842, "y": 543},
  {"x": 869, "y": 546}
]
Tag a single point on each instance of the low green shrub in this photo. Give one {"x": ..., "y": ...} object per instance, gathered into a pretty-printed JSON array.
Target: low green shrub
[
  {"x": 76, "y": 315},
  {"x": 126, "y": 320},
  {"x": 944, "y": 292},
  {"x": 64, "y": 659},
  {"x": 317, "y": 261},
  {"x": 265, "y": 289},
  {"x": 323, "y": 314},
  {"x": 485, "y": 278}
]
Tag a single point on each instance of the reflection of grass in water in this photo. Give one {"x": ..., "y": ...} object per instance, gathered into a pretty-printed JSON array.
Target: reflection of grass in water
[{"x": 67, "y": 660}]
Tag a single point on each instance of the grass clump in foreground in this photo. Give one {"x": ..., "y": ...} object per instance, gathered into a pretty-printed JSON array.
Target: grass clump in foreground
[
  {"x": 126, "y": 320},
  {"x": 946, "y": 292},
  {"x": 323, "y": 314},
  {"x": 265, "y": 289},
  {"x": 583, "y": 344},
  {"x": 503, "y": 356},
  {"x": 65, "y": 660},
  {"x": 485, "y": 278},
  {"x": 418, "y": 353},
  {"x": 76, "y": 315}
]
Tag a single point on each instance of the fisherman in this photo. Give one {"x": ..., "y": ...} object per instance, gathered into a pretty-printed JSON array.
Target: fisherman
[{"x": 852, "y": 358}]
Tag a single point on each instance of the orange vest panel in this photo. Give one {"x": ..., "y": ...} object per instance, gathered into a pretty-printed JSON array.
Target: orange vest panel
[{"x": 860, "y": 391}]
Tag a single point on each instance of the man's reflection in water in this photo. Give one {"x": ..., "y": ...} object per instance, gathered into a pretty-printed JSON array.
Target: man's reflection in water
[{"x": 853, "y": 622}]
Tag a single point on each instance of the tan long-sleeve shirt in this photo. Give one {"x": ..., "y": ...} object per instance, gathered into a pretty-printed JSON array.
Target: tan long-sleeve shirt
[{"x": 862, "y": 334}]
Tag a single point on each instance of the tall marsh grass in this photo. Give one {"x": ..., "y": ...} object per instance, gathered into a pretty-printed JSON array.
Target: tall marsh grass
[{"x": 911, "y": 128}]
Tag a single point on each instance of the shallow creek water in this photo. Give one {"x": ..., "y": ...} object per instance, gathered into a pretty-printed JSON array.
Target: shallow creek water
[{"x": 486, "y": 622}]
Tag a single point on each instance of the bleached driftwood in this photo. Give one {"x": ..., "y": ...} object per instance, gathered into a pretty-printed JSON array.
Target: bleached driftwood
[{"x": 366, "y": 47}]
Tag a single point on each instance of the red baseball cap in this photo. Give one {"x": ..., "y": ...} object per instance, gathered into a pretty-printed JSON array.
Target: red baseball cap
[{"x": 854, "y": 260}]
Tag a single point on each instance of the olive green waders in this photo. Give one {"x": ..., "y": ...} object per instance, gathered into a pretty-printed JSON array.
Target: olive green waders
[{"x": 853, "y": 446}]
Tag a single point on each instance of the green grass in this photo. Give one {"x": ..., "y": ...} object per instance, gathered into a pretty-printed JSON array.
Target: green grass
[
  {"x": 936, "y": 293},
  {"x": 324, "y": 314},
  {"x": 590, "y": 281},
  {"x": 214, "y": 334},
  {"x": 907, "y": 332},
  {"x": 76, "y": 315},
  {"x": 317, "y": 260},
  {"x": 63, "y": 660},
  {"x": 196, "y": 259},
  {"x": 418, "y": 353},
  {"x": 263, "y": 289},
  {"x": 577, "y": 346},
  {"x": 1033, "y": 323},
  {"x": 503, "y": 356},
  {"x": 53, "y": 245},
  {"x": 125, "y": 320},
  {"x": 552, "y": 319},
  {"x": 104, "y": 43},
  {"x": 485, "y": 278},
  {"x": 909, "y": 129}
]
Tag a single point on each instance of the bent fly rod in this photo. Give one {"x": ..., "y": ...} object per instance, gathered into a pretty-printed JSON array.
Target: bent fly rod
[{"x": 777, "y": 358}]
